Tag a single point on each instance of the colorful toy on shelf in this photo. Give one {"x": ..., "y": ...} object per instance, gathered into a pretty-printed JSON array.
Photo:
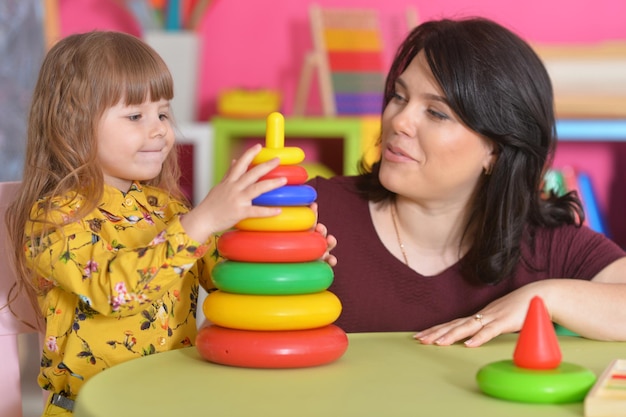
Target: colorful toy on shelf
[
  {"x": 536, "y": 373},
  {"x": 273, "y": 308},
  {"x": 247, "y": 103}
]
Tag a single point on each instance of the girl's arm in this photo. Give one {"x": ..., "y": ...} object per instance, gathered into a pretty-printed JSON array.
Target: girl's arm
[
  {"x": 231, "y": 200},
  {"x": 114, "y": 279},
  {"x": 105, "y": 274}
]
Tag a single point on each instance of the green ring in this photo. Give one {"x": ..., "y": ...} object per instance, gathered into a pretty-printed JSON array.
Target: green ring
[
  {"x": 565, "y": 384},
  {"x": 272, "y": 278}
]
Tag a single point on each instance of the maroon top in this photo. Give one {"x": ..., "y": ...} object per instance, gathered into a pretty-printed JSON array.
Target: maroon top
[{"x": 380, "y": 293}]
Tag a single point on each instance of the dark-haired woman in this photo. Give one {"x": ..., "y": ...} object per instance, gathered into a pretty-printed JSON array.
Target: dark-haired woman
[{"x": 448, "y": 233}]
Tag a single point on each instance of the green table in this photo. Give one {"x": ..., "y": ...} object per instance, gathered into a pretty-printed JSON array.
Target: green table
[{"x": 381, "y": 375}]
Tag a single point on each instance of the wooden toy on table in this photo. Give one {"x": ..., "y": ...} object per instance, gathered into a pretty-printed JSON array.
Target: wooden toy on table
[{"x": 608, "y": 395}]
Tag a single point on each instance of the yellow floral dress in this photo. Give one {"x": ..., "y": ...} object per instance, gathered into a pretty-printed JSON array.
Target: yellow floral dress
[{"x": 119, "y": 284}]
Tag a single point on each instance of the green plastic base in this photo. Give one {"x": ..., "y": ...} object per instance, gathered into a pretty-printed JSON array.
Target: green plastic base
[{"x": 565, "y": 384}]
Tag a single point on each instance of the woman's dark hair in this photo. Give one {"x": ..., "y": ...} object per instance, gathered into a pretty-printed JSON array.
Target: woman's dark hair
[{"x": 497, "y": 85}]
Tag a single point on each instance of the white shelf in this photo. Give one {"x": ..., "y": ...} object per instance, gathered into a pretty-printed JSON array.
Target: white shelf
[
  {"x": 200, "y": 135},
  {"x": 591, "y": 130}
]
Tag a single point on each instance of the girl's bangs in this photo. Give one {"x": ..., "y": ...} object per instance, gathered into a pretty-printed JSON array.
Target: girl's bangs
[
  {"x": 153, "y": 84},
  {"x": 139, "y": 74}
]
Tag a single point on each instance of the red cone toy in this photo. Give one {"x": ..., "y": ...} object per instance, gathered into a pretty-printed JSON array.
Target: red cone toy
[{"x": 537, "y": 346}]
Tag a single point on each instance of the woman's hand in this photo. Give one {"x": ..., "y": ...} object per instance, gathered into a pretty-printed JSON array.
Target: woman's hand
[
  {"x": 331, "y": 241},
  {"x": 504, "y": 315}
]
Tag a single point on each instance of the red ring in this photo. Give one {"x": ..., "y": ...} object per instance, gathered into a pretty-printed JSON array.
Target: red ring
[
  {"x": 295, "y": 174},
  {"x": 248, "y": 246},
  {"x": 271, "y": 349}
]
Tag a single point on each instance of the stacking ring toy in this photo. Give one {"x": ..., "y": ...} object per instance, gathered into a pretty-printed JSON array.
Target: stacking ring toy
[
  {"x": 287, "y": 195},
  {"x": 272, "y": 278},
  {"x": 564, "y": 384},
  {"x": 288, "y": 349},
  {"x": 274, "y": 141},
  {"x": 271, "y": 312},
  {"x": 245, "y": 246},
  {"x": 295, "y": 174},
  {"x": 287, "y": 155},
  {"x": 290, "y": 219}
]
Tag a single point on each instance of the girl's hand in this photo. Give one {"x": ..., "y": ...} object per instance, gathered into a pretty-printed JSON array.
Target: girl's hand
[
  {"x": 504, "y": 315},
  {"x": 230, "y": 201}
]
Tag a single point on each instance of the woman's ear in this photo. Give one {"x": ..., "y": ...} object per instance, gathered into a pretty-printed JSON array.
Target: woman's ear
[{"x": 491, "y": 158}]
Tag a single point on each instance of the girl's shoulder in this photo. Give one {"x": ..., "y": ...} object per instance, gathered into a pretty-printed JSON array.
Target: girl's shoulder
[
  {"x": 49, "y": 212},
  {"x": 159, "y": 198},
  {"x": 61, "y": 205}
]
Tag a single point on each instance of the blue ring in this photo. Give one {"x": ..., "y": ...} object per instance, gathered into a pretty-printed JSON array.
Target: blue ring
[{"x": 287, "y": 195}]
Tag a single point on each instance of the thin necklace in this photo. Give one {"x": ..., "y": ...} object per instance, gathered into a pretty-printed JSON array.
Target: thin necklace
[{"x": 395, "y": 227}]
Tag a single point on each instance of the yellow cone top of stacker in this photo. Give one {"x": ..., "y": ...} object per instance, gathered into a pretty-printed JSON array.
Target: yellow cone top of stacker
[{"x": 275, "y": 141}]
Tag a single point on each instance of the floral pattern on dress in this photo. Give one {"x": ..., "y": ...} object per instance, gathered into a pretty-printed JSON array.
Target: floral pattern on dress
[{"x": 118, "y": 284}]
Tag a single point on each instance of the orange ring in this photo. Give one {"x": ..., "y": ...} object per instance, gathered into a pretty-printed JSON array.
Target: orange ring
[
  {"x": 295, "y": 174},
  {"x": 250, "y": 246},
  {"x": 286, "y": 349}
]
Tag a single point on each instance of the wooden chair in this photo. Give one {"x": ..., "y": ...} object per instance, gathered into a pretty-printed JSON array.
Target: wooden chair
[
  {"x": 347, "y": 57},
  {"x": 20, "y": 318}
]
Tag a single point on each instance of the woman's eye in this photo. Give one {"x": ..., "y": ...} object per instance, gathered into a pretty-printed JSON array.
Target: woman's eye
[
  {"x": 398, "y": 96},
  {"x": 437, "y": 114}
]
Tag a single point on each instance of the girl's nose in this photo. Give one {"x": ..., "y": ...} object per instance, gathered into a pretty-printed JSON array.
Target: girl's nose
[{"x": 159, "y": 128}]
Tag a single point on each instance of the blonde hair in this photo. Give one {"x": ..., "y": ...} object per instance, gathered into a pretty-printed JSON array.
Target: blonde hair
[{"x": 81, "y": 77}]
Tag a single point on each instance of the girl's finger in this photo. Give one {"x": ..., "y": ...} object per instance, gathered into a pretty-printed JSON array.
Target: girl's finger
[{"x": 239, "y": 166}]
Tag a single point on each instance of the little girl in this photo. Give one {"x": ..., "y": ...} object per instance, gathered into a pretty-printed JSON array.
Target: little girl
[{"x": 104, "y": 240}]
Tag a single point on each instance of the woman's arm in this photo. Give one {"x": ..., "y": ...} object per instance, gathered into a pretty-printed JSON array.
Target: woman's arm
[{"x": 593, "y": 309}]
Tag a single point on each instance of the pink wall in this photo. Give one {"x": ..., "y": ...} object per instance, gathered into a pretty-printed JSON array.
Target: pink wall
[
  {"x": 240, "y": 49},
  {"x": 246, "y": 43}
]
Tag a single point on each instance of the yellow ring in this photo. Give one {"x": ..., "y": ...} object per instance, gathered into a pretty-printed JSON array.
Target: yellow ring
[
  {"x": 272, "y": 312},
  {"x": 288, "y": 156},
  {"x": 290, "y": 219}
]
